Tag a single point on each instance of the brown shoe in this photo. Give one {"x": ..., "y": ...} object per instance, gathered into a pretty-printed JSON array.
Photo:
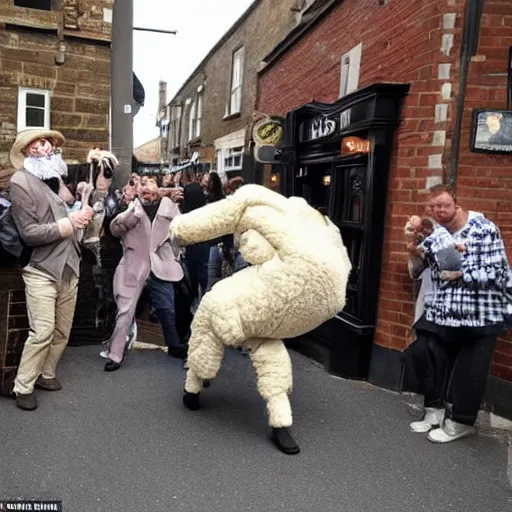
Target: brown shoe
[
  {"x": 27, "y": 402},
  {"x": 48, "y": 384}
]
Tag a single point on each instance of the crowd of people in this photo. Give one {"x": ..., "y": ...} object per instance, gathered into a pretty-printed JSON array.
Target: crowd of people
[
  {"x": 50, "y": 221},
  {"x": 458, "y": 256},
  {"x": 152, "y": 263}
]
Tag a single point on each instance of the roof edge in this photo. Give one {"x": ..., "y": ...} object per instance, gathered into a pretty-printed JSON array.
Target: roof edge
[
  {"x": 218, "y": 45},
  {"x": 295, "y": 35}
]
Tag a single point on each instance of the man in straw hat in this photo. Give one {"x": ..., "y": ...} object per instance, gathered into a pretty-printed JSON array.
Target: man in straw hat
[{"x": 40, "y": 208}]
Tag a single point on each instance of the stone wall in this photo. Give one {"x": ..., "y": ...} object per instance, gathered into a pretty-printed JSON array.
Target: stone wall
[{"x": 80, "y": 87}]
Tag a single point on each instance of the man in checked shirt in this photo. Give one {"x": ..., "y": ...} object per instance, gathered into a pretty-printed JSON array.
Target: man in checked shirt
[{"x": 462, "y": 318}]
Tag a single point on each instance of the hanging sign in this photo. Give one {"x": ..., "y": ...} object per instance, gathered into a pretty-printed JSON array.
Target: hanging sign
[
  {"x": 268, "y": 131},
  {"x": 354, "y": 145}
]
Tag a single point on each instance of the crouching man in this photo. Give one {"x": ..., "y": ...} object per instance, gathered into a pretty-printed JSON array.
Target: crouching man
[{"x": 40, "y": 208}]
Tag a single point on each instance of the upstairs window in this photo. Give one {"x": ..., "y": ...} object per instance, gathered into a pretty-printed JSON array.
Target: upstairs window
[
  {"x": 350, "y": 67},
  {"x": 42, "y": 5},
  {"x": 237, "y": 75},
  {"x": 199, "y": 114},
  {"x": 33, "y": 109}
]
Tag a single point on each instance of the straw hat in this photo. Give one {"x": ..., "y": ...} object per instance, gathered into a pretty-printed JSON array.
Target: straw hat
[{"x": 25, "y": 138}]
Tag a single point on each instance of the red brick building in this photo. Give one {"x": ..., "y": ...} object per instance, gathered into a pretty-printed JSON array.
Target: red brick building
[{"x": 351, "y": 44}]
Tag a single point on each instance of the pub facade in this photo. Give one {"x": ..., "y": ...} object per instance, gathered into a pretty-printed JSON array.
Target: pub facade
[{"x": 373, "y": 116}]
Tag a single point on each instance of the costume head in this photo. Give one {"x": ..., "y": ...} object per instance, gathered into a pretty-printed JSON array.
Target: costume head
[{"x": 36, "y": 145}]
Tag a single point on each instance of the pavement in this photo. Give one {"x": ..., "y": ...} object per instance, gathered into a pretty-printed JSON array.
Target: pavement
[{"x": 123, "y": 442}]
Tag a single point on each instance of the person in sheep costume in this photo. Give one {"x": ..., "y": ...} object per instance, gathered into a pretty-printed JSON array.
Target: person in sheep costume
[{"x": 297, "y": 281}]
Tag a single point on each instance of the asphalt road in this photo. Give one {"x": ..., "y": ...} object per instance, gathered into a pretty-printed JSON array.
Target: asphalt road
[{"x": 123, "y": 442}]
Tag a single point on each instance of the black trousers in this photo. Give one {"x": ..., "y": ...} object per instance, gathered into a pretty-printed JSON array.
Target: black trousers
[
  {"x": 197, "y": 258},
  {"x": 452, "y": 366}
]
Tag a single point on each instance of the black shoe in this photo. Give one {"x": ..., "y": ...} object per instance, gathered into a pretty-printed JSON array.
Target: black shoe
[
  {"x": 191, "y": 401},
  {"x": 48, "y": 384},
  {"x": 284, "y": 441},
  {"x": 27, "y": 402},
  {"x": 111, "y": 366},
  {"x": 177, "y": 352}
]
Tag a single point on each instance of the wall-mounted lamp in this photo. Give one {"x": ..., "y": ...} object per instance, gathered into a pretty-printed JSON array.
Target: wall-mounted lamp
[{"x": 60, "y": 55}]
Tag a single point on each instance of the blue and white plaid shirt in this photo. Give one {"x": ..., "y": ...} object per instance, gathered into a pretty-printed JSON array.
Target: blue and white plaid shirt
[{"x": 483, "y": 296}]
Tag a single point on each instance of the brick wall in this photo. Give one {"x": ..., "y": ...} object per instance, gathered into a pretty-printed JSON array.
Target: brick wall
[
  {"x": 485, "y": 181},
  {"x": 417, "y": 43}
]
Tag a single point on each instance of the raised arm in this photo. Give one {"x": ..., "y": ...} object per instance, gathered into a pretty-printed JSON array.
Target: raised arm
[
  {"x": 222, "y": 217},
  {"x": 207, "y": 223},
  {"x": 125, "y": 221}
]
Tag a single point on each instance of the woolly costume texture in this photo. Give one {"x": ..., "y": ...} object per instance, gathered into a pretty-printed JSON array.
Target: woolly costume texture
[{"x": 297, "y": 281}]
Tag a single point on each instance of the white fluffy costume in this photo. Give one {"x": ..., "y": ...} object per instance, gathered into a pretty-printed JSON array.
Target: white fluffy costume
[{"x": 297, "y": 280}]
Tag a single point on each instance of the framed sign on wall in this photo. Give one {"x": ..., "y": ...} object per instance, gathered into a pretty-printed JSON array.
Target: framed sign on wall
[{"x": 491, "y": 131}]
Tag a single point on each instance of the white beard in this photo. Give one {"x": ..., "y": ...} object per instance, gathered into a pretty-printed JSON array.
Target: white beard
[{"x": 46, "y": 167}]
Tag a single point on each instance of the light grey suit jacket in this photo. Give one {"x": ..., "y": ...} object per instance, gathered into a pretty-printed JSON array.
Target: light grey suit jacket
[
  {"x": 146, "y": 245},
  {"x": 36, "y": 210}
]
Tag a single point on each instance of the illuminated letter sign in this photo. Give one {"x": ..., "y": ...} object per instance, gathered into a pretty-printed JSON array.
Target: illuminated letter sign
[
  {"x": 354, "y": 145},
  {"x": 321, "y": 127}
]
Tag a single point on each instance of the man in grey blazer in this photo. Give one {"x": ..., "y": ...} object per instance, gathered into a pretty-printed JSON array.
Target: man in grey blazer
[
  {"x": 45, "y": 224},
  {"x": 149, "y": 259}
]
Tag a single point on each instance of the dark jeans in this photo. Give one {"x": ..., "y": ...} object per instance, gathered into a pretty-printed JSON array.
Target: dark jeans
[
  {"x": 161, "y": 294},
  {"x": 452, "y": 367},
  {"x": 197, "y": 264}
]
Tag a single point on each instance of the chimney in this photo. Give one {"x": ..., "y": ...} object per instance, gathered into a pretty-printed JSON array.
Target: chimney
[{"x": 162, "y": 94}]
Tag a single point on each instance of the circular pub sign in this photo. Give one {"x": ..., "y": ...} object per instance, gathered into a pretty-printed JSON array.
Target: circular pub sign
[{"x": 268, "y": 131}]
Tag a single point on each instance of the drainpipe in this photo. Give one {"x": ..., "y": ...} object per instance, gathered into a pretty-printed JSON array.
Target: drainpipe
[
  {"x": 122, "y": 89},
  {"x": 469, "y": 47}
]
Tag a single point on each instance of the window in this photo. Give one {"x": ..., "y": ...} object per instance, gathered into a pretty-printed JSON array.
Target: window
[
  {"x": 235, "y": 102},
  {"x": 192, "y": 121},
  {"x": 42, "y": 5},
  {"x": 174, "y": 132},
  {"x": 199, "y": 114},
  {"x": 233, "y": 159},
  {"x": 350, "y": 66},
  {"x": 33, "y": 109}
]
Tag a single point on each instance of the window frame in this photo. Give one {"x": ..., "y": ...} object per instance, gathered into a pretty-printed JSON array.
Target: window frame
[
  {"x": 230, "y": 153},
  {"x": 192, "y": 121},
  {"x": 234, "y": 89},
  {"x": 22, "y": 108},
  {"x": 199, "y": 114}
]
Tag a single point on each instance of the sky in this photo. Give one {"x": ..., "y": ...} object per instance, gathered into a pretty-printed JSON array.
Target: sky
[{"x": 199, "y": 23}]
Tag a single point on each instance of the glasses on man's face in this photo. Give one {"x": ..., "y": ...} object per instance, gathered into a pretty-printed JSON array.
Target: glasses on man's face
[{"x": 442, "y": 206}]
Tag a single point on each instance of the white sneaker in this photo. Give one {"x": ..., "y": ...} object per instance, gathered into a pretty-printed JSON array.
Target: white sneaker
[
  {"x": 104, "y": 354},
  {"x": 433, "y": 418},
  {"x": 450, "y": 431}
]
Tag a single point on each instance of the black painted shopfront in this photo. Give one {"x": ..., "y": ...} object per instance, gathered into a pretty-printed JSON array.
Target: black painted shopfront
[{"x": 338, "y": 158}]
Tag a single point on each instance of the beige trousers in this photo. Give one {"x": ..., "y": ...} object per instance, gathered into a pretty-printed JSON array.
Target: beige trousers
[{"x": 50, "y": 307}]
